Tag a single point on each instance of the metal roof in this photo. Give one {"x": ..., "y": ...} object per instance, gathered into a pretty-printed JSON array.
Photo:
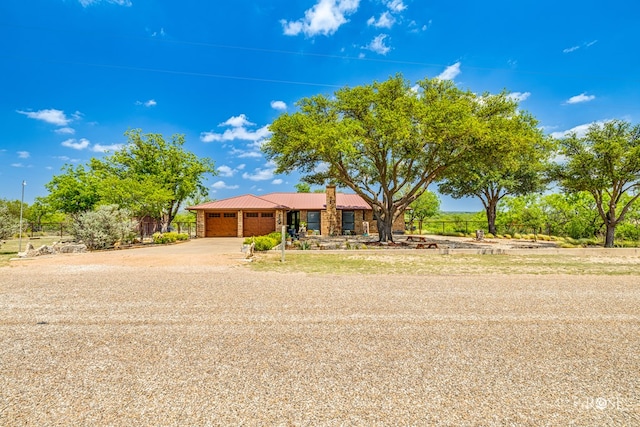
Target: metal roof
[{"x": 288, "y": 201}]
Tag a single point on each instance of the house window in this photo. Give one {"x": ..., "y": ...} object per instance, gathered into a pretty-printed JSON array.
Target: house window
[
  {"x": 313, "y": 220},
  {"x": 251, "y": 215},
  {"x": 214, "y": 215},
  {"x": 229, "y": 215},
  {"x": 348, "y": 222},
  {"x": 267, "y": 215}
]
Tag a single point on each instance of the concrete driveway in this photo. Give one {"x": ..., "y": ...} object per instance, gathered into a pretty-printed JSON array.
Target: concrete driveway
[{"x": 205, "y": 251}]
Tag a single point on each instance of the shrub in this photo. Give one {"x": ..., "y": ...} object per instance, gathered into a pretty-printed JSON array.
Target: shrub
[
  {"x": 103, "y": 227},
  {"x": 170, "y": 237},
  {"x": 275, "y": 236},
  {"x": 7, "y": 224},
  {"x": 489, "y": 236},
  {"x": 517, "y": 236},
  {"x": 262, "y": 243}
]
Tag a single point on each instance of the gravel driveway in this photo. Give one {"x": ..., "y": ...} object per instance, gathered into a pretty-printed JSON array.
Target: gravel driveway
[{"x": 189, "y": 335}]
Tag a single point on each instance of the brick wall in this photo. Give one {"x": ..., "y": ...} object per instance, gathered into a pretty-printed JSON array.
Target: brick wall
[{"x": 200, "y": 224}]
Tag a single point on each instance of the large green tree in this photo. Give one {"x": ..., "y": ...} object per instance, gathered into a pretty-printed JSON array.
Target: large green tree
[
  {"x": 511, "y": 158},
  {"x": 152, "y": 176},
  {"x": 606, "y": 163},
  {"x": 386, "y": 141},
  {"x": 73, "y": 192}
]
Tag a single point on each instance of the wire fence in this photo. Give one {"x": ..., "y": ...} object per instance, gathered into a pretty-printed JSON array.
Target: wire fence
[
  {"x": 470, "y": 227},
  {"x": 145, "y": 229}
]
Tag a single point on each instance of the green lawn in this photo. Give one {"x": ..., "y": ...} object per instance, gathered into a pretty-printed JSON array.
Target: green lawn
[
  {"x": 9, "y": 248},
  {"x": 390, "y": 262}
]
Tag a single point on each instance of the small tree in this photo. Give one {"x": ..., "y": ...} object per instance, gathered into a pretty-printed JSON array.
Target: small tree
[
  {"x": 303, "y": 187},
  {"x": 104, "y": 227},
  {"x": 8, "y": 224},
  {"x": 425, "y": 206},
  {"x": 606, "y": 163}
]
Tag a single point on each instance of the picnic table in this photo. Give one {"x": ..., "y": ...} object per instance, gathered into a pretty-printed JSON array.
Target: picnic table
[{"x": 422, "y": 241}]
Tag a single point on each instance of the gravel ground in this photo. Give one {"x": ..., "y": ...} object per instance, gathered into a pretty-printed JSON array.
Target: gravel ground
[{"x": 132, "y": 338}]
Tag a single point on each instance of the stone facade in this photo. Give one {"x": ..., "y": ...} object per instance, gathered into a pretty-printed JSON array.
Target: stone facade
[{"x": 330, "y": 218}]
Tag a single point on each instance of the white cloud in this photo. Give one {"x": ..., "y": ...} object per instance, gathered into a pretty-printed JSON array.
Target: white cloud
[
  {"x": 377, "y": 45},
  {"x": 451, "y": 72},
  {"x": 259, "y": 175},
  {"x": 149, "y": 103},
  {"x": 65, "y": 131},
  {"x": 324, "y": 18},
  {"x": 23, "y": 154},
  {"x": 99, "y": 148},
  {"x": 238, "y": 131},
  {"x": 277, "y": 181},
  {"x": 583, "y": 97},
  {"x": 226, "y": 171},
  {"x": 86, "y": 3},
  {"x": 220, "y": 185},
  {"x": 574, "y": 48},
  {"x": 17, "y": 165},
  {"x": 237, "y": 121},
  {"x": 519, "y": 96},
  {"x": 67, "y": 159},
  {"x": 76, "y": 145},
  {"x": 396, "y": 6},
  {"x": 580, "y": 130},
  {"x": 53, "y": 116},
  {"x": 386, "y": 20},
  {"x": 278, "y": 105},
  {"x": 248, "y": 154}
]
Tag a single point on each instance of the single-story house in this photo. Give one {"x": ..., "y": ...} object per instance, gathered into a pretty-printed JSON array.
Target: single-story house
[{"x": 328, "y": 213}]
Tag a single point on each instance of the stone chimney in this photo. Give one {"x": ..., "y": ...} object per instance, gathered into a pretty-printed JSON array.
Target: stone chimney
[{"x": 332, "y": 212}]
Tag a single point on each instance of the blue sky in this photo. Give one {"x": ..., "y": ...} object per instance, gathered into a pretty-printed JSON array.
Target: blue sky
[{"x": 76, "y": 74}]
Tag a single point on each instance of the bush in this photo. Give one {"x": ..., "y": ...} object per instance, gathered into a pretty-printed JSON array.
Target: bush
[
  {"x": 7, "y": 224},
  {"x": 103, "y": 227},
  {"x": 262, "y": 243},
  {"x": 170, "y": 237}
]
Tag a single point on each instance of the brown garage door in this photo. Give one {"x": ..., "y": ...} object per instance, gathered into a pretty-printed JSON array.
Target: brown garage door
[
  {"x": 258, "y": 223},
  {"x": 222, "y": 224}
]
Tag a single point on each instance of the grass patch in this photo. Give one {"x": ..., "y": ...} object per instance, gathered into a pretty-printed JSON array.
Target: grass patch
[
  {"x": 431, "y": 264},
  {"x": 9, "y": 248}
]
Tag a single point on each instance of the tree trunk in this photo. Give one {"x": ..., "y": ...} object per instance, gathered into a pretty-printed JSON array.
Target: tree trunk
[
  {"x": 384, "y": 232},
  {"x": 384, "y": 221},
  {"x": 491, "y": 209},
  {"x": 610, "y": 235}
]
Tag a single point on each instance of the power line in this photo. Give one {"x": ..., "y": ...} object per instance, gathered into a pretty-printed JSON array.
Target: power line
[
  {"x": 608, "y": 77},
  {"x": 174, "y": 72}
]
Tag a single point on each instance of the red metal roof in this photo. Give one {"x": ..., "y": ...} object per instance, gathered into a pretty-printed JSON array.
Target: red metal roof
[{"x": 288, "y": 201}]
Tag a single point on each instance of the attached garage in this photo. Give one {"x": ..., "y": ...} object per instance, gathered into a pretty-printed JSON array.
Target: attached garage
[
  {"x": 221, "y": 224},
  {"x": 258, "y": 223}
]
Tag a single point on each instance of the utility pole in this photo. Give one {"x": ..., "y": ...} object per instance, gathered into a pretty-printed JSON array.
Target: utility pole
[{"x": 21, "y": 206}]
